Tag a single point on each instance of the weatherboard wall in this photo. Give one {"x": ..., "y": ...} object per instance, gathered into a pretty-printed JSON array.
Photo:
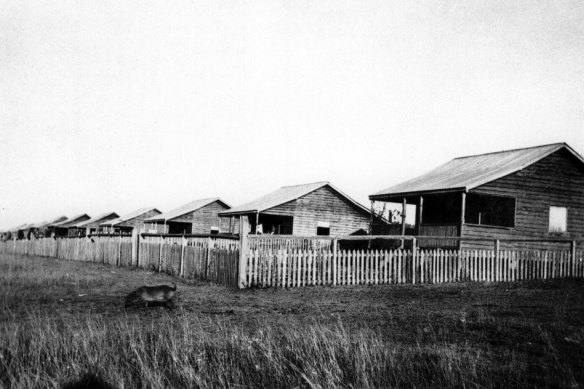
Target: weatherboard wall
[
  {"x": 138, "y": 221},
  {"x": 556, "y": 180},
  {"x": 206, "y": 217},
  {"x": 323, "y": 205}
]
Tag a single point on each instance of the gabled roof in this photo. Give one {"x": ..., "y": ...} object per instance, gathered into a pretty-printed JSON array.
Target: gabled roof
[
  {"x": 51, "y": 222},
  {"x": 469, "y": 172},
  {"x": 284, "y": 195},
  {"x": 21, "y": 227},
  {"x": 71, "y": 221},
  {"x": 128, "y": 216},
  {"x": 96, "y": 219},
  {"x": 183, "y": 210}
]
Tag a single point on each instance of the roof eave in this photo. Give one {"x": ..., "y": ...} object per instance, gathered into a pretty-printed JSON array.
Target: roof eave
[
  {"x": 239, "y": 213},
  {"x": 383, "y": 196}
]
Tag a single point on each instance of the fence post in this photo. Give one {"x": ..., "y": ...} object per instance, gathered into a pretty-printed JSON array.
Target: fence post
[
  {"x": 135, "y": 247},
  {"x": 119, "y": 259},
  {"x": 181, "y": 271},
  {"x": 209, "y": 250},
  {"x": 243, "y": 251},
  {"x": 498, "y": 264},
  {"x": 414, "y": 254},
  {"x": 335, "y": 260},
  {"x": 160, "y": 253},
  {"x": 573, "y": 250}
]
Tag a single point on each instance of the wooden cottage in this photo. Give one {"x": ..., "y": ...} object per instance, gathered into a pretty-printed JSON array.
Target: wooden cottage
[
  {"x": 307, "y": 210},
  {"x": 41, "y": 230},
  {"x": 530, "y": 193},
  {"x": 19, "y": 231},
  {"x": 90, "y": 226},
  {"x": 126, "y": 224},
  {"x": 61, "y": 229},
  {"x": 196, "y": 217}
]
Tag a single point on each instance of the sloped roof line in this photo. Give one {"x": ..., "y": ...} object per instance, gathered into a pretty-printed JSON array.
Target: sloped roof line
[
  {"x": 184, "y": 209},
  {"x": 70, "y": 220},
  {"x": 49, "y": 222},
  {"x": 284, "y": 195},
  {"x": 111, "y": 222},
  {"x": 128, "y": 216},
  {"x": 94, "y": 219},
  {"x": 465, "y": 173},
  {"x": 277, "y": 197}
]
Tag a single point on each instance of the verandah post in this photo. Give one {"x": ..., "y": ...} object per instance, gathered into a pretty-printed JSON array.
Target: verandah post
[{"x": 243, "y": 251}]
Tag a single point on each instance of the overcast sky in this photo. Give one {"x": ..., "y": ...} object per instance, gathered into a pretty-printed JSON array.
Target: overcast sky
[{"x": 117, "y": 105}]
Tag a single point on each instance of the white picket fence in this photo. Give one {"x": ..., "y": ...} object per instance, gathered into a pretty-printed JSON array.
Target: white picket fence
[
  {"x": 297, "y": 268},
  {"x": 295, "y": 264}
]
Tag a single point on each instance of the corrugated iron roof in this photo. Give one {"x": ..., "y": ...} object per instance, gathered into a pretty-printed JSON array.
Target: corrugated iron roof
[
  {"x": 51, "y": 222},
  {"x": 465, "y": 173},
  {"x": 284, "y": 195},
  {"x": 95, "y": 219},
  {"x": 184, "y": 209},
  {"x": 70, "y": 222},
  {"x": 21, "y": 227},
  {"x": 128, "y": 216},
  {"x": 111, "y": 222}
]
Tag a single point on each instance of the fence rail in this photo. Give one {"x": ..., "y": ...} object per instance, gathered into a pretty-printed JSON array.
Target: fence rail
[{"x": 279, "y": 261}]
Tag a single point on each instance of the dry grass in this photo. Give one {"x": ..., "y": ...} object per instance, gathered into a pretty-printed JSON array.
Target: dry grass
[{"x": 61, "y": 320}]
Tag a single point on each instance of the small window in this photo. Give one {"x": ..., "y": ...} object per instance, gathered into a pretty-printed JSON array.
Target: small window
[
  {"x": 214, "y": 230},
  {"x": 558, "y": 219},
  {"x": 323, "y": 228}
]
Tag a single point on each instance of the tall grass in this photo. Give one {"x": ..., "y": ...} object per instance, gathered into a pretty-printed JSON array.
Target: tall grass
[
  {"x": 186, "y": 352},
  {"x": 45, "y": 343}
]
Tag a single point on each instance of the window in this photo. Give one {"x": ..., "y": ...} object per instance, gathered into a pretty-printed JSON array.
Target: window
[
  {"x": 490, "y": 210},
  {"x": 558, "y": 219},
  {"x": 323, "y": 228},
  {"x": 441, "y": 209},
  {"x": 214, "y": 230}
]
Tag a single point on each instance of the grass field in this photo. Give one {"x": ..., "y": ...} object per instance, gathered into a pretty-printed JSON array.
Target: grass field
[{"x": 61, "y": 321}]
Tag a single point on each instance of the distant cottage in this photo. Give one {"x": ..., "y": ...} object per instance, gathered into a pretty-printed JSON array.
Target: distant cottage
[
  {"x": 61, "y": 229},
  {"x": 90, "y": 226},
  {"x": 41, "y": 230},
  {"x": 127, "y": 223},
  {"x": 535, "y": 192},
  {"x": 311, "y": 209},
  {"x": 196, "y": 217}
]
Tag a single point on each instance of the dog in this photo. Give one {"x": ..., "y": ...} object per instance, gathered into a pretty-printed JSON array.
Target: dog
[{"x": 152, "y": 295}]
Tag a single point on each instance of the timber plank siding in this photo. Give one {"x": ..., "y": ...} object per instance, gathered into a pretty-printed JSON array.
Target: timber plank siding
[
  {"x": 556, "y": 180},
  {"x": 205, "y": 218},
  {"x": 303, "y": 210},
  {"x": 323, "y": 205},
  {"x": 202, "y": 219},
  {"x": 138, "y": 221}
]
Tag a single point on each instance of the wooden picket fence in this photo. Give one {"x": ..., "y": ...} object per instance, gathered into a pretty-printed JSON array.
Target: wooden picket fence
[
  {"x": 262, "y": 261},
  {"x": 209, "y": 259},
  {"x": 296, "y": 268},
  {"x": 206, "y": 258}
]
